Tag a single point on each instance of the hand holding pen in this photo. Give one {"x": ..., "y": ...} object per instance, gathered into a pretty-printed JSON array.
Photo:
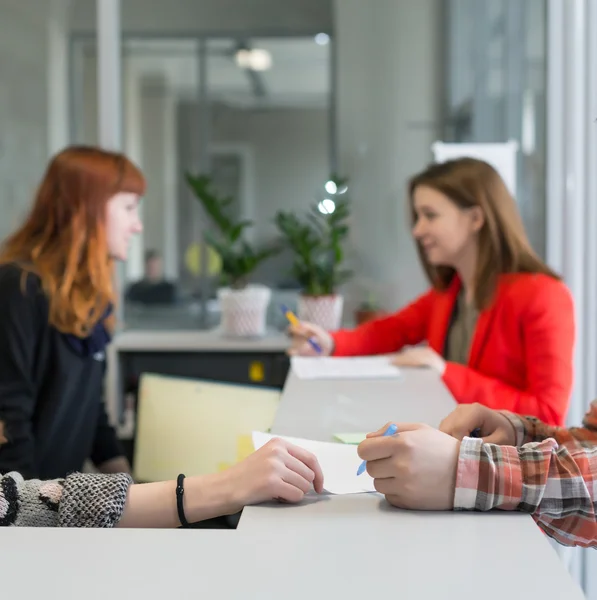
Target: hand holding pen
[
  {"x": 307, "y": 339},
  {"x": 391, "y": 430}
]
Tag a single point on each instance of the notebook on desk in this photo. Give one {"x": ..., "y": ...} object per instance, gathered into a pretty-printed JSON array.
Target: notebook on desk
[
  {"x": 196, "y": 427},
  {"x": 344, "y": 367}
]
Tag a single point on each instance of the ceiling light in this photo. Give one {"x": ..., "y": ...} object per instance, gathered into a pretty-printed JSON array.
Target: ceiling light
[
  {"x": 255, "y": 59},
  {"x": 322, "y": 39},
  {"x": 326, "y": 206},
  {"x": 331, "y": 187}
]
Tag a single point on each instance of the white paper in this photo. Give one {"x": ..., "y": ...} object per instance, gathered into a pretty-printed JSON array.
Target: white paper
[
  {"x": 339, "y": 463},
  {"x": 353, "y": 367},
  {"x": 501, "y": 156}
]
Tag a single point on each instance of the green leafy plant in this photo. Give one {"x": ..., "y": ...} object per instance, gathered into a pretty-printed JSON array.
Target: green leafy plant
[
  {"x": 239, "y": 257},
  {"x": 317, "y": 244}
]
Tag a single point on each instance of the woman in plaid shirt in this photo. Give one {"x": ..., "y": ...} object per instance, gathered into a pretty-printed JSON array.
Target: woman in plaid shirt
[{"x": 519, "y": 463}]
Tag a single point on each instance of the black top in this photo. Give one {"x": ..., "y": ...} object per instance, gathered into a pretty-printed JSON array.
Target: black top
[{"x": 50, "y": 394}]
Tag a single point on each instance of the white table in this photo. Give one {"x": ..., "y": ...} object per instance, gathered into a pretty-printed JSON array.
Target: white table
[{"x": 330, "y": 547}]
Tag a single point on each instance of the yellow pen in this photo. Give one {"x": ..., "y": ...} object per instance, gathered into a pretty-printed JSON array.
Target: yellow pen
[{"x": 293, "y": 319}]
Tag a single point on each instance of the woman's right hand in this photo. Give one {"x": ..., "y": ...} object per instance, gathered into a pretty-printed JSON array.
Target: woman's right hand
[
  {"x": 279, "y": 470},
  {"x": 494, "y": 427},
  {"x": 301, "y": 334}
]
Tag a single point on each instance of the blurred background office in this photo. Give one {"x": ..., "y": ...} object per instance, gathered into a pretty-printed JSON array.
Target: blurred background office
[
  {"x": 332, "y": 88},
  {"x": 271, "y": 98}
]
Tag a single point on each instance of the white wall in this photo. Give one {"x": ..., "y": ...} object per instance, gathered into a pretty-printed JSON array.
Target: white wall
[
  {"x": 389, "y": 87},
  {"x": 32, "y": 100},
  {"x": 184, "y": 16},
  {"x": 290, "y": 149}
]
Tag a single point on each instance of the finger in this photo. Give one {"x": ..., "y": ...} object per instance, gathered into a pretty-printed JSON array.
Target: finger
[
  {"x": 304, "y": 349},
  {"x": 287, "y": 492},
  {"x": 401, "y": 360},
  {"x": 299, "y": 467},
  {"x": 407, "y": 361},
  {"x": 304, "y": 330},
  {"x": 387, "y": 485},
  {"x": 395, "y": 500},
  {"x": 402, "y": 427},
  {"x": 300, "y": 347},
  {"x": 497, "y": 437},
  {"x": 380, "y": 469},
  {"x": 376, "y": 448},
  {"x": 380, "y": 431},
  {"x": 296, "y": 330},
  {"x": 310, "y": 460},
  {"x": 457, "y": 423},
  {"x": 298, "y": 481},
  {"x": 462, "y": 421}
]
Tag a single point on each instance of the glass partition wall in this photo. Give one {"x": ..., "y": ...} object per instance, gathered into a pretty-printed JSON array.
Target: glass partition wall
[
  {"x": 253, "y": 113},
  {"x": 496, "y": 89}
]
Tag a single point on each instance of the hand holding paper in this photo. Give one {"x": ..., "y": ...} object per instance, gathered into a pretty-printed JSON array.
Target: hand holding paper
[
  {"x": 339, "y": 463},
  {"x": 278, "y": 470}
]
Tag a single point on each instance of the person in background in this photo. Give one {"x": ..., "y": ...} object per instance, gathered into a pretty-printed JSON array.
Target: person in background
[
  {"x": 56, "y": 300},
  {"x": 518, "y": 463},
  {"x": 153, "y": 288},
  {"x": 277, "y": 471},
  {"x": 498, "y": 323}
]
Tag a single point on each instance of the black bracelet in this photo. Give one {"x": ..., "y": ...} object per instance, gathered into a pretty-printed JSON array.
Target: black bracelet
[{"x": 179, "y": 504}]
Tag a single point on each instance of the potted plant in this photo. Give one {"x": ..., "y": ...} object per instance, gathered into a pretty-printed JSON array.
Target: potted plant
[
  {"x": 368, "y": 310},
  {"x": 243, "y": 305},
  {"x": 317, "y": 244}
]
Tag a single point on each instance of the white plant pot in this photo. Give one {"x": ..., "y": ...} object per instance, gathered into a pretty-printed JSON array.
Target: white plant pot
[
  {"x": 244, "y": 312},
  {"x": 325, "y": 311}
]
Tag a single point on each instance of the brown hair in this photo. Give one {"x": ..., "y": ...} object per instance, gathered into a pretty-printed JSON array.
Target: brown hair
[
  {"x": 503, "y": 243},
  {"x": 64, "y": 241}
]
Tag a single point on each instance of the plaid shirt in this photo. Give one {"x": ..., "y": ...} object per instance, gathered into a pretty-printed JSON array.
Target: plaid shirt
[{"x": 551, "y": 474}]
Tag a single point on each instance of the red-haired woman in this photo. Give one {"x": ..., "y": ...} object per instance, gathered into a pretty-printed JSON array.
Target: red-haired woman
[{"x": 56, "y": 298}]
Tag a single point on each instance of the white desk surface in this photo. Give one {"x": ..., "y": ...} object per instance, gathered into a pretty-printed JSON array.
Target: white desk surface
[{"x": 349, "y": 547}]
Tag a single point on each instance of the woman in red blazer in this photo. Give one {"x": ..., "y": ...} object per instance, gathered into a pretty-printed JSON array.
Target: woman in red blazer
[{"x": 498, "y": 323}]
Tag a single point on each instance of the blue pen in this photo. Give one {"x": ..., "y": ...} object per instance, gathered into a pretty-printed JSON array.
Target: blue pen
[
  {"x": 294, "y": 321},
  {"x": 391, "y": 430}
]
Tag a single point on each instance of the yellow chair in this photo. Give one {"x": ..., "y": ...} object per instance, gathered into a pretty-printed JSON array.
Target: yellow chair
[{"x": 195, "y": 426}]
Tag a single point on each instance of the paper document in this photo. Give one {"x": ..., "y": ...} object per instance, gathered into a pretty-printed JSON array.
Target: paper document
[
  {"x": 332, "y": 367},
  {"x": 339, "y": 463},
  {"x": 350, "y": 438}
]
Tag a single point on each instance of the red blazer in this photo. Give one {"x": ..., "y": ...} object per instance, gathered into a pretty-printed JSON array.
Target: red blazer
[{"x": 521, "y": 352}]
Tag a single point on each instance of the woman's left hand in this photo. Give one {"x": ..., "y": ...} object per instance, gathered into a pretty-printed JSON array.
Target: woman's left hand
[
  {"x": 420, "y": 357},
  {"x": 416, "y": 468}
]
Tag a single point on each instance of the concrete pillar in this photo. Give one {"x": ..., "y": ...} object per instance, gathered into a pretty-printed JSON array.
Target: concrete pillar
[
  {"x": 133, "y": 141},
  {"x": 57, "y": 29},
  {"x": 109, "y": 70},
  {"x": 159, "y": 145}
]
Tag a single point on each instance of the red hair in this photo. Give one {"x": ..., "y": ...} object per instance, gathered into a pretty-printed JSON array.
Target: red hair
[{"x": 64, "y": 241}]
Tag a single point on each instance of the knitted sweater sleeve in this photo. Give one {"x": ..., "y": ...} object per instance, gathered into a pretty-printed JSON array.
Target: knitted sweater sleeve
[{"x": 80, "y": 500}]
